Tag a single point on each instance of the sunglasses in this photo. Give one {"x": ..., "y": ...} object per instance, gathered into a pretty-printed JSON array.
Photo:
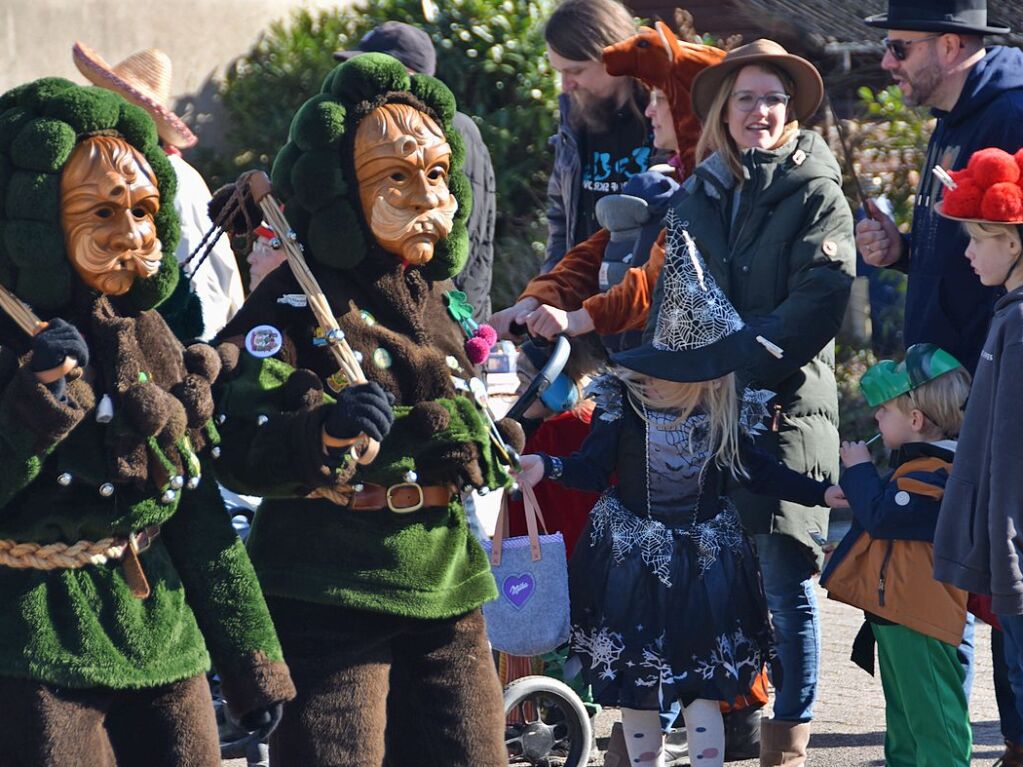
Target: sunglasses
[{"x": 900, "y": 48}]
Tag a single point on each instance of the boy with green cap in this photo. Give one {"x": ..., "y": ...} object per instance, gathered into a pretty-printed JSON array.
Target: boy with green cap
[{"x": 884, "y": 563}]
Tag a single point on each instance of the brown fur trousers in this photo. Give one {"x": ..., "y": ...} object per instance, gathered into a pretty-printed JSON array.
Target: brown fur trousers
[
  {"x": 385, "y": 691},
  {"x": 168, "y": 726}
]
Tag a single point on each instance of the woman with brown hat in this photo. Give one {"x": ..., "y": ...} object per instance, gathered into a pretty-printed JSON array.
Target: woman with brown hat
[{"x": 766, "y": 209}]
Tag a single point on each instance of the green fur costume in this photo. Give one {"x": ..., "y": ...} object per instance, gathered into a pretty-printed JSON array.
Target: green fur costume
[
  {"x": 65, "y": 477},
  {"x": 349, "y": 587},
  {"x": 420, "y": 565}
]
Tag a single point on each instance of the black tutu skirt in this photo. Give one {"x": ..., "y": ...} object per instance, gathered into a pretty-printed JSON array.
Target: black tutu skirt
[{"x": 663, "y": 613}]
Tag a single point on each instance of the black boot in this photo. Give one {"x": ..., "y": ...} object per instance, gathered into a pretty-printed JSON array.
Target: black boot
[{"x": 742, "y": 734}]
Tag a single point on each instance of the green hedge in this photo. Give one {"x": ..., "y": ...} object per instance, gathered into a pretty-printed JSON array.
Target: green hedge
[{"x": 489, "y": 52}]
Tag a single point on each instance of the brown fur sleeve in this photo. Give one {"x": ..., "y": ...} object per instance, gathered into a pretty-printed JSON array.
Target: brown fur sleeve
[
  {"x": 575, "y": 278},
  {"x": 626, "y": 305}
]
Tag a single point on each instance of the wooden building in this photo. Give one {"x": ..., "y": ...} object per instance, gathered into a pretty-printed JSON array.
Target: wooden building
[{"x": 830, "y": 33}]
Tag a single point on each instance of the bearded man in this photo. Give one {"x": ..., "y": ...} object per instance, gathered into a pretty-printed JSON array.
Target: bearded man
[
  {"x": 935, "y": 53},
  {"x": 372, "y": 576},
  {"x": 603, "y": 138},
  {"x": 120, "y": 574}
]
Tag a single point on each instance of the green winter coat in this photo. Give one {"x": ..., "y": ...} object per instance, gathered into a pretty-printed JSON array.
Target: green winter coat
[
  {"x": 783, "y": 252},
  {"x": 83, "y": 627}
]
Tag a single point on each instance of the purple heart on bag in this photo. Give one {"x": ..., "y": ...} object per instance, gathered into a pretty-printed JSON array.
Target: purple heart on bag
[{"x": 518, "y": 589}]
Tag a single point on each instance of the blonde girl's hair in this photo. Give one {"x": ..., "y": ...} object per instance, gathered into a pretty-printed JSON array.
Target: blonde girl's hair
[
  {"x": 715, "y": 136},
  {"x": 717, "y": 398},
  {"x": 986, "y": 231}
]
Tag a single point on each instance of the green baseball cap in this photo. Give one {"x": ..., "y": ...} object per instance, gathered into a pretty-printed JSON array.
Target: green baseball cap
[{"x": 889, "y": 379}]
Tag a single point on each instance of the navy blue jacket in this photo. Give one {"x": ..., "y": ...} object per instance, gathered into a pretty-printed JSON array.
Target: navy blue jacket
[
  {"x": 616, "y": 443},
  {"x": 945, "y": 302}
]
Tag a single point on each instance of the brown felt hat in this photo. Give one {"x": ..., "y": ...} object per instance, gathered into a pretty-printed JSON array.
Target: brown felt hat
[
  {"x": 809, "y": 88},
  {"x": 144, "y": 79}
]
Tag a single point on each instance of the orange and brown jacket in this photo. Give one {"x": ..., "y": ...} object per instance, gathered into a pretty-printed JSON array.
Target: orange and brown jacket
[{"x": 885, "y": 563}]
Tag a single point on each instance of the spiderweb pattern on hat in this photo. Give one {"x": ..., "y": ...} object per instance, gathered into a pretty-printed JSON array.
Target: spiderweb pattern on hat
[{"x": 694, "y": 311}]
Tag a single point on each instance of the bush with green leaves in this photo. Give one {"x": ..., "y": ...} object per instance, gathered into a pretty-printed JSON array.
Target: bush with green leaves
[
  {"x": 489, "y": 52},
  {"x": 887, "y": 146}
]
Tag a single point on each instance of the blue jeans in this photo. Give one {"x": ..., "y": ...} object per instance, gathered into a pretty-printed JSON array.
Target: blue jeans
[
  {"x": 965, "y": 653},
  {"x": 791, "y": 600},
  {"x": 1012, "y": 633}
]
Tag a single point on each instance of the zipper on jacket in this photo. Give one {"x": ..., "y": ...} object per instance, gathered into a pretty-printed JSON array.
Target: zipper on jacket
[
  {"x": 742, "y": 227},
  {"x": 881, "y": 577}
]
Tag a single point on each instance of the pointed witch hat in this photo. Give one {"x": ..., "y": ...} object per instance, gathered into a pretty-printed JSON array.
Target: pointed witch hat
[{"x": 697, "y": 335}]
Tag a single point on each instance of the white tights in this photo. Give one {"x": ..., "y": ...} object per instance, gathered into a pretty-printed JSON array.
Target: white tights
[{"x": 704, "y": 728}]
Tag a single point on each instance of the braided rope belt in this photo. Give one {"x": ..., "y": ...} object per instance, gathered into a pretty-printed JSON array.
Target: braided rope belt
[
  {"x": 60, "y": 556},
  {"x": 71, "y": 556}
]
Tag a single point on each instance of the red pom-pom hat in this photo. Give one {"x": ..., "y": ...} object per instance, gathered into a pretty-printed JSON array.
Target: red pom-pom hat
[{"x": 987, "y": 191}]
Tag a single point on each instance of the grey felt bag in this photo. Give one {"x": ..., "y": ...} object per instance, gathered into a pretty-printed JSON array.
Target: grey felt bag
[{"x": 530, "y": 615}]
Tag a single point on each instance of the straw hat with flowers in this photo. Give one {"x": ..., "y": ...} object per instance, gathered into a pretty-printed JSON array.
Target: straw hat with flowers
[{"x": 143, "y": 79}]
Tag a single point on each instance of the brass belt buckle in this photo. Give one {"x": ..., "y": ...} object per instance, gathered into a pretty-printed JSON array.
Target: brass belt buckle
[{"x": 405, "y": 509}]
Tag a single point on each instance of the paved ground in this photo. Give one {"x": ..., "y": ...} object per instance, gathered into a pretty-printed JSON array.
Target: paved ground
[{"x": 849, "y": 726}]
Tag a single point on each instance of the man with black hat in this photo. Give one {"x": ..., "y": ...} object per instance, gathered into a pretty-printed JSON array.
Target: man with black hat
[
  {"x": 936, "y": 55},
  {"x": 414, "y": 48}
]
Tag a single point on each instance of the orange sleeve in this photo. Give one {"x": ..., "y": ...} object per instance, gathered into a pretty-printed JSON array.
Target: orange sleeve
[
  {"x": 626, "y": 305},
  {"x": 575, "y": 278}
]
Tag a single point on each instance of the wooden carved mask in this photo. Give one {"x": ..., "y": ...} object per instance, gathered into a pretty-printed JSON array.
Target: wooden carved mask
[
  {"x": 109, "y": 199},
  {"x": 402, "y": 160}
]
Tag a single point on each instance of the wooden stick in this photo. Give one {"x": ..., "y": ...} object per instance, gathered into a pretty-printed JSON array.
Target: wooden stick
[
  {"x": 848, "y": 158},
  {"x": 258, "y": 185},
  {"x": 19, "y": 312}
]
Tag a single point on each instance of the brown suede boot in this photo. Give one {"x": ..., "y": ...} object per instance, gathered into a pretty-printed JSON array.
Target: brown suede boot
[{"x": 783, "y": 744}]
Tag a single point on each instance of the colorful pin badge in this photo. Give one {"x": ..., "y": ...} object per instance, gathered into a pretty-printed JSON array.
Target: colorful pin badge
[{"x": 264, "y": 341}]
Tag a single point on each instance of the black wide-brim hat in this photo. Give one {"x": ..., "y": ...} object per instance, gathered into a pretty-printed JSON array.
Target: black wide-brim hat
[
  {"x": 955, "y": 16},
  {"x": 706, "y": 363}
]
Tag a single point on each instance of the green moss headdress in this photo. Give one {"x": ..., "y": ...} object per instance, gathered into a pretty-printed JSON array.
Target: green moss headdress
[
  {"x": 40, "y": 124},
  {"x": 314, "y": 174}
]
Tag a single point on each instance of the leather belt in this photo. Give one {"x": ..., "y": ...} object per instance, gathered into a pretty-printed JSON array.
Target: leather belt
[
  {"x": 134, "y": 575},
  {"x": 402, "y": 498}
]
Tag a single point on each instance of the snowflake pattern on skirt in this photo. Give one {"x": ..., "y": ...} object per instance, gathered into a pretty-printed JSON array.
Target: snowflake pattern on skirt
[
  {"x": 732, "y": 655},
  {"x": 656, "y": 541}
]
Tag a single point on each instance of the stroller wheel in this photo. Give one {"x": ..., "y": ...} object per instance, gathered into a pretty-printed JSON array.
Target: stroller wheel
[
  {"x": 547, "y": 724},
  {"x": 237, "y": 743}
]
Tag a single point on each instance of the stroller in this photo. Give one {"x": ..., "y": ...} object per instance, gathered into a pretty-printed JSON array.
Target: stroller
[{"x": 546, "y": 722}]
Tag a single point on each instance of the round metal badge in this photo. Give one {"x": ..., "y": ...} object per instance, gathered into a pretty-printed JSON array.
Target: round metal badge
[{"x": 264, "y": 341}]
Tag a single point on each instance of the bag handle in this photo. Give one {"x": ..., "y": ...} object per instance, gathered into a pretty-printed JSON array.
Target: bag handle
[{"x": 531, "y": 509}]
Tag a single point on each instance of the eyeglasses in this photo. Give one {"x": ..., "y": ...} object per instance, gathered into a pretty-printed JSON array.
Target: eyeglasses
[
  {"x": 899, "y": 48},
  {"x": 745, "y": 101}
]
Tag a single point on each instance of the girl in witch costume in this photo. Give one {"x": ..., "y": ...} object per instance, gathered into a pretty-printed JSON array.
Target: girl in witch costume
[
  {"x": 120, "y": 574},
  {"x": 372, "y": 575},
  {"x": 667, "y": 602}
]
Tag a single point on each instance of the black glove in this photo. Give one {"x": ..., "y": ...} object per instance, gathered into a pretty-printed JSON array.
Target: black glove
[
  {"x": 57, "y": 341},
  {"x": 362, "y": 409},
  {"x": 263, "y": 720}
]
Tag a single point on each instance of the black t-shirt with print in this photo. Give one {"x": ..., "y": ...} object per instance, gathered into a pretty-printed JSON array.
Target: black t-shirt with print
[{"x": 609, "y": 159}]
